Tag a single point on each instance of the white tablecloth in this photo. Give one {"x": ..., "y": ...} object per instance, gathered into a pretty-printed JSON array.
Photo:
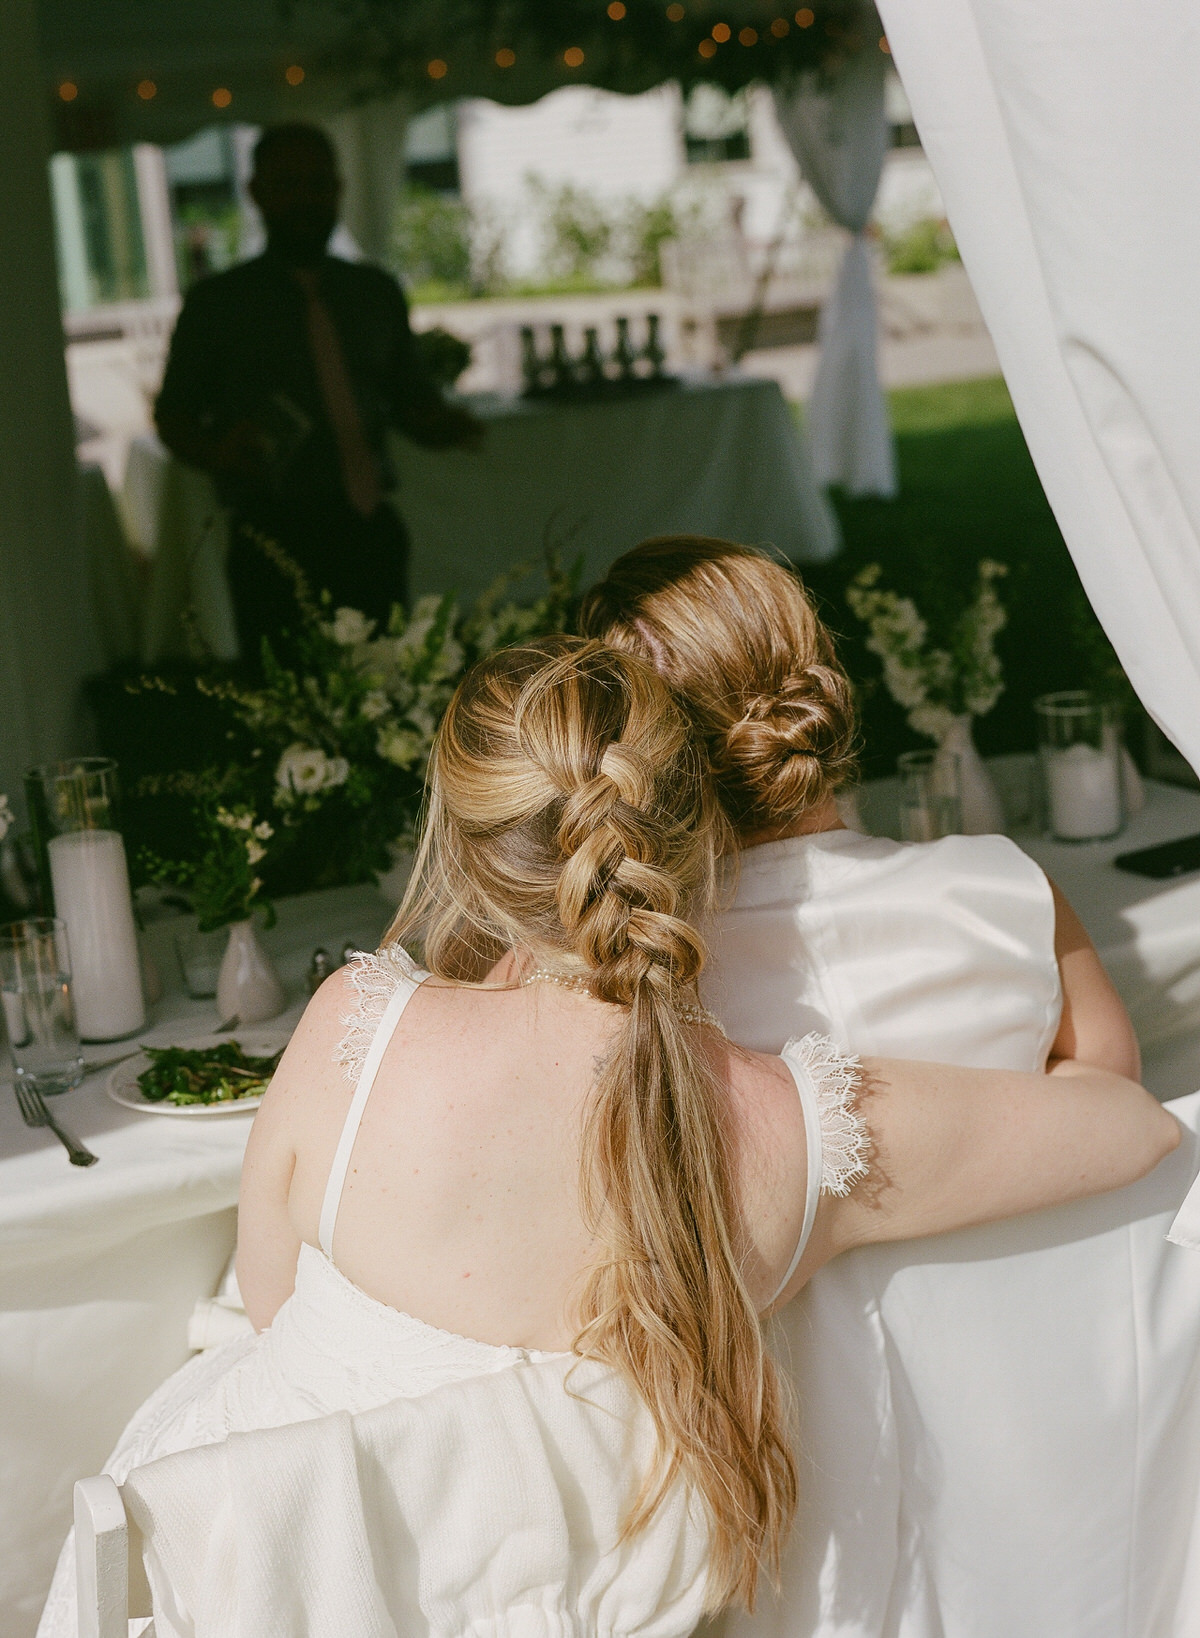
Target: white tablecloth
[
  {"x": 706, "y": 458},
  {"x": 174, "y": 519},
  {"x": 100, "y": 1267},
  {"x": 718, "y": 458}
]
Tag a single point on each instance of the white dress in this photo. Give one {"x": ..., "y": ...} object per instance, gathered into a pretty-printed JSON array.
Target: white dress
[
  {"x": 332, "y": 1348},
  {"x": 1001, "y": 1427}
]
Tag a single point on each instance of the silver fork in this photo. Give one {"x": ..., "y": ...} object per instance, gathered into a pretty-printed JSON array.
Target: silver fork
[{"x": 34, "y": 1113}]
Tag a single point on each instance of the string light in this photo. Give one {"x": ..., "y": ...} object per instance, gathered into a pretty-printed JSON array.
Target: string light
[
  {"x": 805, "y": 18},
  {"x": 780, "y": 27},
  {"x": 505, "y": 58},
  {"x": 437, "y": 69},
  {"x": 721, "y": 32},
  {"x": 707, "y": 48},
  {"x": 675, "y": 12},
  {"x": 147, "y": 89},
  {"x": 883, "y": 45},
  {"x": 294, "y": 74},
  {"x": 573, "y": 57},
  {"x": 748, "y": 36},
  {"x": 616, "y": 10},
  {"x": 222, "y": 97},
  {"x": 68, "y": 90}
]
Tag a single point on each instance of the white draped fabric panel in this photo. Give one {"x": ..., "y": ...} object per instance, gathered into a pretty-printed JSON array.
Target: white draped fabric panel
[
  {"x": 369, "y": 139},
  {"x": 1065, "y": 140},
  {"x": 838, "y": 132}
]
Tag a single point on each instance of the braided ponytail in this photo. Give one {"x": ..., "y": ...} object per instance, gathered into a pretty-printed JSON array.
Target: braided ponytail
[
  {"x": 735, "y": 635},
  {"x": 570, "y": 818}
]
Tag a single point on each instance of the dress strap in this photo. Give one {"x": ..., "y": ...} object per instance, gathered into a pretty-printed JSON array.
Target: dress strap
[
  {"x": 385, "y": 983},
  {"x": 835, "y": 1133}
]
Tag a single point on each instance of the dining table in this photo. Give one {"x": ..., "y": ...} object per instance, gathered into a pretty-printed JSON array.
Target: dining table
[{"x": 102, "y": 1270}]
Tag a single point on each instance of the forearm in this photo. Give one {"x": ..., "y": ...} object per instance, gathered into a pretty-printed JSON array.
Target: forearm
[{"x": 956, "y": 1147}]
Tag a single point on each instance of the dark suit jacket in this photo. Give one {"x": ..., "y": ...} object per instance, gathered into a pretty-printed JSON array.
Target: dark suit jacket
[{"x": 241, "y": 344}]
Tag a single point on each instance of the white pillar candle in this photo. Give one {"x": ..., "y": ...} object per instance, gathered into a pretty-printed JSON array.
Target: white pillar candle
[
  {"x": 91, "y": 894},
  {"x": 1084, "y": 789}
]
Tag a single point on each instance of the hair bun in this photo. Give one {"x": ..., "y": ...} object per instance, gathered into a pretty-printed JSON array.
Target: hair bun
[{"x": 791, "y": 746}]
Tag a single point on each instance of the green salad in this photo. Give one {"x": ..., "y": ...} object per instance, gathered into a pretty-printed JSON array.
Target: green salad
[{"x": 219, "y": 1074}]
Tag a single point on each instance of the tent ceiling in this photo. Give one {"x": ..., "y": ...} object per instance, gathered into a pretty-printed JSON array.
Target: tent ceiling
[{"x": 351, "y": 50}]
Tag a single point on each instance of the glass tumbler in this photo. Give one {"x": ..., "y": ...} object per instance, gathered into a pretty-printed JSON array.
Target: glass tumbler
[
  {"x": 39, "y": 1015},
  {"x": 930, "y": 799},
  {"x": 1079, "y": 748}
]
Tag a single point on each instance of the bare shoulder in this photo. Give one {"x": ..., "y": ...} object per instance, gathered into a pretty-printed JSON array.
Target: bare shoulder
[{"x": 310, "y": 1074}]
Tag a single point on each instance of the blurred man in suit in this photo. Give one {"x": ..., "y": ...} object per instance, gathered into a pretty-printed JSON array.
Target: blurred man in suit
[{"x": 283, "y": 377}]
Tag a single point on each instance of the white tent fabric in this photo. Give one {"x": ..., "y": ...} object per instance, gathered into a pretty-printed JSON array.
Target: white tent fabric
[
  {"x": 838, "y": 131},
  {"x": 1065, "y": 141},
  {"x": 369, "y": 139}
]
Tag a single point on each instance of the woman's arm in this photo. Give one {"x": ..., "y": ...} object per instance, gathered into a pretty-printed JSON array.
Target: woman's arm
[
  {"x": 954, "y": 1147},
  {"x": 268, "y": 1243},
  {"x": 1095, "y": 1028}
]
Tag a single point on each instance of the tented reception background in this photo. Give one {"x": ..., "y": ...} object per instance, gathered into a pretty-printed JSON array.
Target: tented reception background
[{"x": 891, "y": 293}]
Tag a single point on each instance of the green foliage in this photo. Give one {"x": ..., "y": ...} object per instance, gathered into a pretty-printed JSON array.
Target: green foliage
[
  {"x": 647, "y": 227},
  {"x": 921, "y": 248},
  {"x": 968, "y": 490},
  {"x": 332, "y": 742},
  {"x": 431, "y": 240},
  {"x": 579, "y": 231}
]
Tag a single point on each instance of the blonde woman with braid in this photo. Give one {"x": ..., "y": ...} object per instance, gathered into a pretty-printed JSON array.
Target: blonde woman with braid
[
  {"x": 535, "y": 1154},
  {"x": 1000, "y": 1431}
]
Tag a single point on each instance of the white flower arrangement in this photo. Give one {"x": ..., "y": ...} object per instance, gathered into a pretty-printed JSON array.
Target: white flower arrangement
[
  {"x": 337, "y": 736},
  {"x": 934, "y": 685},
  {"x": 305, "y": 770}
]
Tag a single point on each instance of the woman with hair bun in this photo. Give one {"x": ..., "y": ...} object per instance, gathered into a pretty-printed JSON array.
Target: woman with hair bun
[
  {"x": 553, "y": 1162},
  {"x": 977, "y": 1452}
]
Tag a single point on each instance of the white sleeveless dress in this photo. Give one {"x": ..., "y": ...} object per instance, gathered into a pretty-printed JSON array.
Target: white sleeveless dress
[
  {"x": 1001, "y": 1427},
  {"x": 332, "y": 1348}
]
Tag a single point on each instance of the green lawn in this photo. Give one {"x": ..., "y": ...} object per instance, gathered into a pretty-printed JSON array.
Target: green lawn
[{"x": 968, "y": 490}]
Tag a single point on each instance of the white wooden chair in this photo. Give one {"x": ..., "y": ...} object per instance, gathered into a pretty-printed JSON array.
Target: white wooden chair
[{"x": 110, "y": 1579}]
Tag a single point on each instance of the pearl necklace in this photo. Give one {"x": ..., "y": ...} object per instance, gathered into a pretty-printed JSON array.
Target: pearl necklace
[{"x": 568, "y": 981}]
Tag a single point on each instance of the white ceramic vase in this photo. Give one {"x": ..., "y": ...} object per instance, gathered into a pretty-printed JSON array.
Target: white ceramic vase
[
  {"x": 248, "y": 987},
  {"x": 1133, "y": 792},
  {"x": 982, "y": 813}
]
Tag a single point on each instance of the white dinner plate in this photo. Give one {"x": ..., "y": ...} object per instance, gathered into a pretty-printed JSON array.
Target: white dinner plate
[{"x": 122, "y": 1084}]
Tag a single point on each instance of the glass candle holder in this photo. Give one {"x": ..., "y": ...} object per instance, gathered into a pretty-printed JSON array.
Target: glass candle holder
[
  {"x": 35, "y": 991},
  {"x": 1079, "y": 748},
  {"x": 930, "y": 795},
  {"x": 74, "y": 809}
]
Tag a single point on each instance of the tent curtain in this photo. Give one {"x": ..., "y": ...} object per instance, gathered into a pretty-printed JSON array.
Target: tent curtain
[
  {"x": 369, "y": 139},
  {"x": 837, "y": 129},
  {"x": 1064, "y": 139}
]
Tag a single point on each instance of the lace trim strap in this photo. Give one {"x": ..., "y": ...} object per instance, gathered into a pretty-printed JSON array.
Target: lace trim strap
[
  {"x": 827, "y": 1081},
  {"x": 835, "y": 1077},
  {"x": 375, "y": 978}
]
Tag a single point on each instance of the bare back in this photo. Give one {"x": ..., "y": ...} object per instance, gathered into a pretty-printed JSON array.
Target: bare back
[{"x": 461, "y": 1202}]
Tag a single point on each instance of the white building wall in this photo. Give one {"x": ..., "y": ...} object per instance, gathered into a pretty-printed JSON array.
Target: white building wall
[{"x": 608, "y": 145}]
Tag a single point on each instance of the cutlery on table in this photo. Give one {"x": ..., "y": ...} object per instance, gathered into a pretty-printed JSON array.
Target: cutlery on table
[
  {"x": 35, "y": 1113},
  {"x": 92, "y": 1068}
]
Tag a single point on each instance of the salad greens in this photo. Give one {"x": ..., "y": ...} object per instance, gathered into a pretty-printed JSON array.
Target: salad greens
[{"x": 219, "y": 1074}]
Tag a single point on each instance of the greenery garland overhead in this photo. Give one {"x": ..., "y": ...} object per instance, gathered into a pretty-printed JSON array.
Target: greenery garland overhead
[{"x": 514, "y": 51}]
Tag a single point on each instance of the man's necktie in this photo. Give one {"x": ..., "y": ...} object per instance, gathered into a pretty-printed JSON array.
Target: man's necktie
[{"x": 360, "y": 469}]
